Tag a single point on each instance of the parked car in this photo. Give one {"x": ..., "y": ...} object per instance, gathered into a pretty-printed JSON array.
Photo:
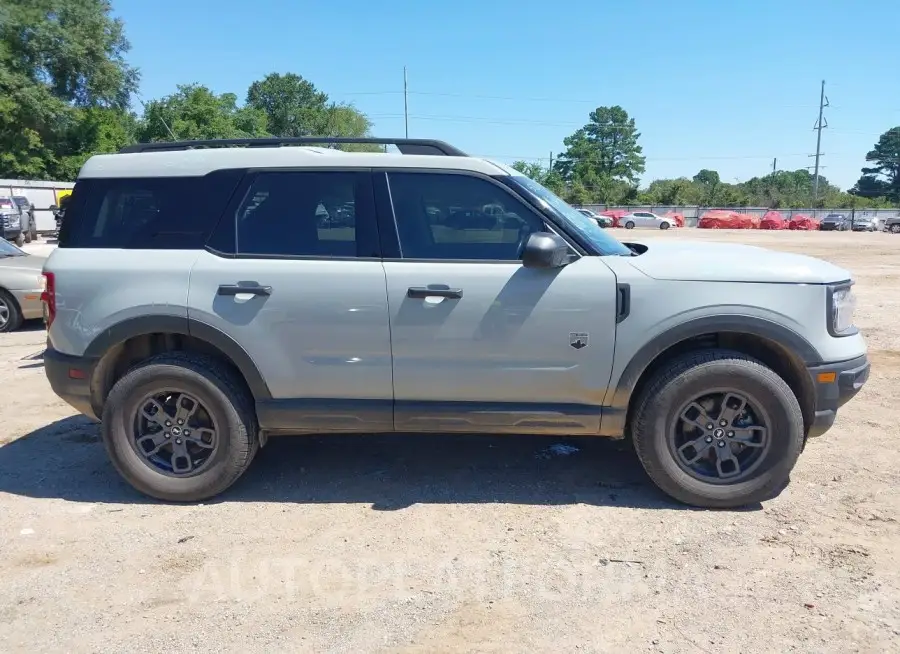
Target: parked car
[
  {"x": 602, "y": 221},
  {"x": 29, "y": 229},
  {"x": 865, "y": 224},
  {"x": 12, "y": 218},
  {"x": 710, "y": 357},
  {"x": 20, "y": 286},
  {"x": 892, "y": 225},
  {"x": 645, "y": 219},
  {"x": 835, "y": 222}
]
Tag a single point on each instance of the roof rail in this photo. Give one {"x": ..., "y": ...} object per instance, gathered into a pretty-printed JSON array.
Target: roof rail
[{"x": 406, "y": 146}]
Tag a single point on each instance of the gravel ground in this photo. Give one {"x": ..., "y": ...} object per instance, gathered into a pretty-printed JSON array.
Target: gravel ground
[{"x": 443, "y": 544}]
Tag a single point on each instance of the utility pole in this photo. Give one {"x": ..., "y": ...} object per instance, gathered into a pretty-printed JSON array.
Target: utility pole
[
  {"x": 820, "y": 125},
  {"x": 550, "y": 168},
  {"x": 774, "y": 163},
  {"x": 406, "y": 103}
]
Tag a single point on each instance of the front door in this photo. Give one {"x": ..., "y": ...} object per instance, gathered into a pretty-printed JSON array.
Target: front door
[
  {"x": 479, "y": 342},
  {"x": 294, "y": 279}
]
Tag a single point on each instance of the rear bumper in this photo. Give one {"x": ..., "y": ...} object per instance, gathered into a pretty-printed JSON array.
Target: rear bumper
[
  {"x": 70, "y": 379},
  {"x": 835, "y": 385}
]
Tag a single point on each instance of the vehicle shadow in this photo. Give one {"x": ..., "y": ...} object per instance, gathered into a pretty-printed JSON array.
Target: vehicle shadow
[{"x": 66, "y": 460}]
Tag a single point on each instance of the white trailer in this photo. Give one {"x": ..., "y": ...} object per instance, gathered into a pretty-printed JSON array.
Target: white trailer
[{"x": 42, "y": 194}]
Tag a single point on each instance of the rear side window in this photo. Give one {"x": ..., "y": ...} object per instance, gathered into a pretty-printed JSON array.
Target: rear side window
[
  {"x": 171, "y": 213},
  {"x": 306, "y": 214}
]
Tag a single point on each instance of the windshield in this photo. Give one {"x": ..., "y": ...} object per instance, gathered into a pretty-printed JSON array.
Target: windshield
[
  {"x": 586, "y": 227},
  {"x": 7, "y": 249}
]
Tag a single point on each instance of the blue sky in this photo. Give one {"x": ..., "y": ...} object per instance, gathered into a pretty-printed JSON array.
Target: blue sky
[{"x": 711, "y": 83}]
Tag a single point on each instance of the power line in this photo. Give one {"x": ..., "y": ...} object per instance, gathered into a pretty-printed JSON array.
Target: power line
[
  {"x": 693, "y": 158},
  {"x": 558, "y": 99}
]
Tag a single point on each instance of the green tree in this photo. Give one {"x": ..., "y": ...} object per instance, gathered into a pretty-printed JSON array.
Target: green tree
[
  {"x": 883, "y": 177},
  {"x": 531, "y": 169},
  {"x": 61, "y": 61},
  {"x": 293, "y": 106},
  {"x": 195, "y": 112},
  {"x": 605, "y": 149}
]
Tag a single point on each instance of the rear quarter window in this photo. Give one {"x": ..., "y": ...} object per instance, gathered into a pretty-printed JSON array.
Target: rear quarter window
[{"x": 171, "y": 213}]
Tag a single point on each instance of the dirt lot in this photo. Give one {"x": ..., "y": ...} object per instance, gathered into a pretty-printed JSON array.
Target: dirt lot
[{"x": 458, "y": 544}]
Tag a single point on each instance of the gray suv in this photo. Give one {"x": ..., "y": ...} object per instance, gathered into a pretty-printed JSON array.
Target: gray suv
[{"x": 203, "y": 299}]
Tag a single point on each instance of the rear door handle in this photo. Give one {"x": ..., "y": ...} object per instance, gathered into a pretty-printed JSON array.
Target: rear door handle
[
  {"x": 238, "y": 289},
  {"x": 424, "y": 291}
]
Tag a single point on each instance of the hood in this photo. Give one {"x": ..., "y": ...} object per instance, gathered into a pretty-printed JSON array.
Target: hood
[{"x": 726, "y": 262}]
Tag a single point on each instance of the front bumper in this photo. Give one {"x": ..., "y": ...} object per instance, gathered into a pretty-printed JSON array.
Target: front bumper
[
  {"x": 70, "y": 379},
  {"x": 835, "y": 385}
]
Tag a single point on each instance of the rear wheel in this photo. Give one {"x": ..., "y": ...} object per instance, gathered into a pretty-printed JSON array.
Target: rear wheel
[
  {"x": 180, "y": 427},
  {"x": 717, "y": 429},
  {"x": 629, "y": 225}
]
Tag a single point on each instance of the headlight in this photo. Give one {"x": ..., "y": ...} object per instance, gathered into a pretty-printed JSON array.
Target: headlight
[
  {"x": 14, "y": 221},
  {"x": 843, "y": 304}
]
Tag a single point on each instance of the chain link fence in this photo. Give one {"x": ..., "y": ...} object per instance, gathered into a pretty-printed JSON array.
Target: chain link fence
[{"x": 692, "y": 213}]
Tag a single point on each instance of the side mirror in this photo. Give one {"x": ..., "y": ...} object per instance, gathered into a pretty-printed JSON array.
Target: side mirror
[
  {"x": 545, "y": 250},
  {"x": 53, "y": 207}
]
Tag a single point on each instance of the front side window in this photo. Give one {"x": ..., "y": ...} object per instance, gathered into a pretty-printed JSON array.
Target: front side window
[
  {"x": 299, "y": 214},
  {"x": 459, "y": 217}
]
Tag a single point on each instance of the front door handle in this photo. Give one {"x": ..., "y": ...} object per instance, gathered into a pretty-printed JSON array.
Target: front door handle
[
  {"x": 239, "y": 289},
  {"x": 424, "y": 291}
]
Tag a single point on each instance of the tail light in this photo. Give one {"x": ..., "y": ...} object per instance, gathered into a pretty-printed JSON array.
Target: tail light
[{"x": 48, "y": 297}]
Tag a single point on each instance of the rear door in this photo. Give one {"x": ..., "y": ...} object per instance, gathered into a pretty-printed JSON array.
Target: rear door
[{"x": 292, "y": 275}]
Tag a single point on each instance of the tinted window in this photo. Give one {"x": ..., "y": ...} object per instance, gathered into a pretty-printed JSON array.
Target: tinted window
[
  {"x": 300, "y": 214},
  {"x": 446, "y": 216},
  {"x": 146, "y": 213}
]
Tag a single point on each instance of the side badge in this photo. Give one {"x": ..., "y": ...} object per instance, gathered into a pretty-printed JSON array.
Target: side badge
[{"x": 578, "y": 340}]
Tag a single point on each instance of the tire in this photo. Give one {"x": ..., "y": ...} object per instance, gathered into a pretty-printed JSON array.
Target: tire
[
  {"x": 629, "y": 225},
  {"x": 222, "y": 395},
  {"x": 20, "y": 240},
  {"x": 10, "y": 313},
  {"x": 664, "y": 225},
  {"x": 895, "y": 229},
  {"x": 658, "y": 411},
  {"x": 27, "y": 236}
]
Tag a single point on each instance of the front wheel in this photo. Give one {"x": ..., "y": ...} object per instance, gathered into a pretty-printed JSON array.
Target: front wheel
[
  {"x": 629, "y": 225},
  {"x": 717, "y": 429},
  {"x": 10, "y": 314},
  {"x": 180, "y": 427},
  {"x": 664, "y": 225},
  {"x": 20, "y": 240},
  {"x": 895, "y": 229}
]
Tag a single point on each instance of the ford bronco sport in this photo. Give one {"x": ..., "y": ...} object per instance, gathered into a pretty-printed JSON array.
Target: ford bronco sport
[{"x": 204, "y": 298}]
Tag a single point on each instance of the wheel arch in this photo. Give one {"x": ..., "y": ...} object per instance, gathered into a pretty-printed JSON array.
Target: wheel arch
[
  {"x": 122, "y": 345},
  {"x": 778, "y": 347}
]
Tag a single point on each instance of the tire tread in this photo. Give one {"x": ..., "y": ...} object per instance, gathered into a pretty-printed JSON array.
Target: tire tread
[{"x": 643, "y": 418}]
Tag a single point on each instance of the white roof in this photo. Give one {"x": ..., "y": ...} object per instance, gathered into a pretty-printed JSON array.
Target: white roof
[{"x": 176, "y": 163}]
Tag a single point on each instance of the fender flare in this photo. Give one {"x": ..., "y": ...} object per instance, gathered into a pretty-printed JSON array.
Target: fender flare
[
  {"x": 143, "y": 325},
  {"x": 738, "y": 324}
]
